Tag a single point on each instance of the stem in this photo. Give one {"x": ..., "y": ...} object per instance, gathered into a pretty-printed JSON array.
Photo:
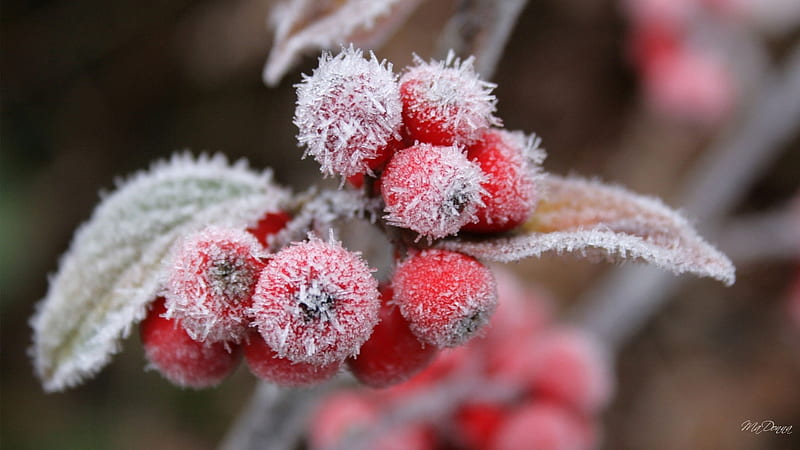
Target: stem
[{"x": 481, "y": 28}]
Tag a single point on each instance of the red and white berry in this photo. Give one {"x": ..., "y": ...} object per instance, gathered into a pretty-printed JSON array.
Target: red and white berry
[
  {"x": 349, "y": 113},
  {"x": 315, "y": 302},
  {"x": 447, "y": 297},
  {"x": 509, "y": 160},
  {"x": 431, "y": 189},
  {"x": 446, "y": 102},
  {"x": 211, "y": 283}
]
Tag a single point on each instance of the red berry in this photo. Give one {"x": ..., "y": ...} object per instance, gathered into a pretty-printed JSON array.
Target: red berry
[
  {"x": 269, "y": 225},
  {"x": 211, "y": 283},
  {"x": 477, "y": 423},
  {"x": 447, "y": 297},
  {"x": 393, "y": 353},
  {"x": 316, "y": 302},
  {"x": 446, "y": 103},
  {"x": 339, "y": 417},
  {"x": 431, "y": 190},
  {"x": 267, "y": 365},
  {"x": 178, "y": 357},
  {"x": 349, "y": 113},
  {"x": 572, "y": 370},
  {"x": 541, "y": 426},
  {"x": 509, "y": 162}
]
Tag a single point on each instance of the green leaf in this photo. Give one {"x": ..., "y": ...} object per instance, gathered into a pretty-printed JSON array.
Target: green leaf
[{"x": 117, "y": 259}]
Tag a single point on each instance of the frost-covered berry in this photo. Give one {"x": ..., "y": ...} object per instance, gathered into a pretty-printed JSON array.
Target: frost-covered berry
[
  {"x": 508, "y": 161},
  {"x": 178, "y": 357},
  {"x": 316, "y": 302},
  {"x": 572, "y": 370},
  {"x": 542, "y": 426},
  {"x": 393, "y": 353},
  {"x": 349, "y": 113},
  {"x": 446, "y": 102},
  {"x": 447, "y": 297},
  {"x": 269, "y": 225},
  {"x": 267, "y": 365},
  {"x": 211, "y": 282},
  {"x": 432, "y": 190}
]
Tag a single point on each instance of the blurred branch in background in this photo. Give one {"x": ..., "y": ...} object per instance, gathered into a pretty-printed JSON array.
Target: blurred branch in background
[
  {"x": 480, "y": 28},
  {"x": 626, "y": 299}
]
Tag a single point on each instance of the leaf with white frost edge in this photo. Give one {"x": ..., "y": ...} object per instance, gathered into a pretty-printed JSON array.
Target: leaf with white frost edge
[
  {"x": 302, "y": 25},
  {"x": 589, "y": 217},
  {"x": 115, "y": 264}
]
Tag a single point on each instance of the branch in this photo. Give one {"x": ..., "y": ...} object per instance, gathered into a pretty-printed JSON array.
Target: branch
[{"x": 481, "y": 28}]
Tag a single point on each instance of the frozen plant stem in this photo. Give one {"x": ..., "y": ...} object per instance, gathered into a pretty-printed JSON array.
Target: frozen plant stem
[
  {"x": 627, "y": 298},
  {"x": 481, "y": 28}
]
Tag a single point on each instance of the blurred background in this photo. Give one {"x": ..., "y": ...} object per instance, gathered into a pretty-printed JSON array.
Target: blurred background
[{"x": 93, "y": 90}]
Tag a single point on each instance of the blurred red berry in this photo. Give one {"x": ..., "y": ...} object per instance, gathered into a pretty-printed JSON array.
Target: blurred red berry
[
  {"x": 571, "y": 369},
  {"x": 541, "y": 426}
]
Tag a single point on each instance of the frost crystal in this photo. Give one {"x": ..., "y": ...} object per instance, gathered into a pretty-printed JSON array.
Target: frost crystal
[
  {"x": 316, "y": 302},
  {"x": 446, "y": 102},
  {"x": 348, "y": 112},
  {"x": 115, "y": 262},
  {"x": 432, "y": 190},
  {"x": 577, "y": 215},
  {"x": 211, "y": 283}
]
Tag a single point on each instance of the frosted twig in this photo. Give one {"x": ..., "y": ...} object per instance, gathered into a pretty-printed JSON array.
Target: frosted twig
[
  {"x": 628, "y": 297},
  {"x": 481, "y": 28}
]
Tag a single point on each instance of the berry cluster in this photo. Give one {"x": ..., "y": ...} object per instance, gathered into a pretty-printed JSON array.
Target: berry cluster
[
  {"x": 553, "y": 382},
  {"x": 428, "y": 142},
  {"x": 428, "y": 148}
]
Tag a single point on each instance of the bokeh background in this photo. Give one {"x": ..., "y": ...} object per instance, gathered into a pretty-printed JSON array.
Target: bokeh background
[{"x": 92, "y": 90}]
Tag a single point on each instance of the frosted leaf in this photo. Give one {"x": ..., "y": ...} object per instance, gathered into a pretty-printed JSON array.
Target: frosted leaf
[
  {"x": 116, "y": 260},
  {"x": 349, "y": 112},
  {"x": 578, "y": 215},
  {"x": 304, "y": 25}
]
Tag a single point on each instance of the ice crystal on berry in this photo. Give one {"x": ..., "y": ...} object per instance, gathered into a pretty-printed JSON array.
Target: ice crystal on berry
[
  {"x": 349, "y": 112},
  {"x": 212, "y": 281},
  {"x": 446, "y": 102},
  {"x": 432, "y": 190},
  {"x": 316, "y": 302}
]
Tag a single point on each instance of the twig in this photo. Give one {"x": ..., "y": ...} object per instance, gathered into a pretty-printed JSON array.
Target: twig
[
  {"x": 620, "y": 304},
  {"x": 481, "y": 28},
  {"x": 770, "y": 235}
]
